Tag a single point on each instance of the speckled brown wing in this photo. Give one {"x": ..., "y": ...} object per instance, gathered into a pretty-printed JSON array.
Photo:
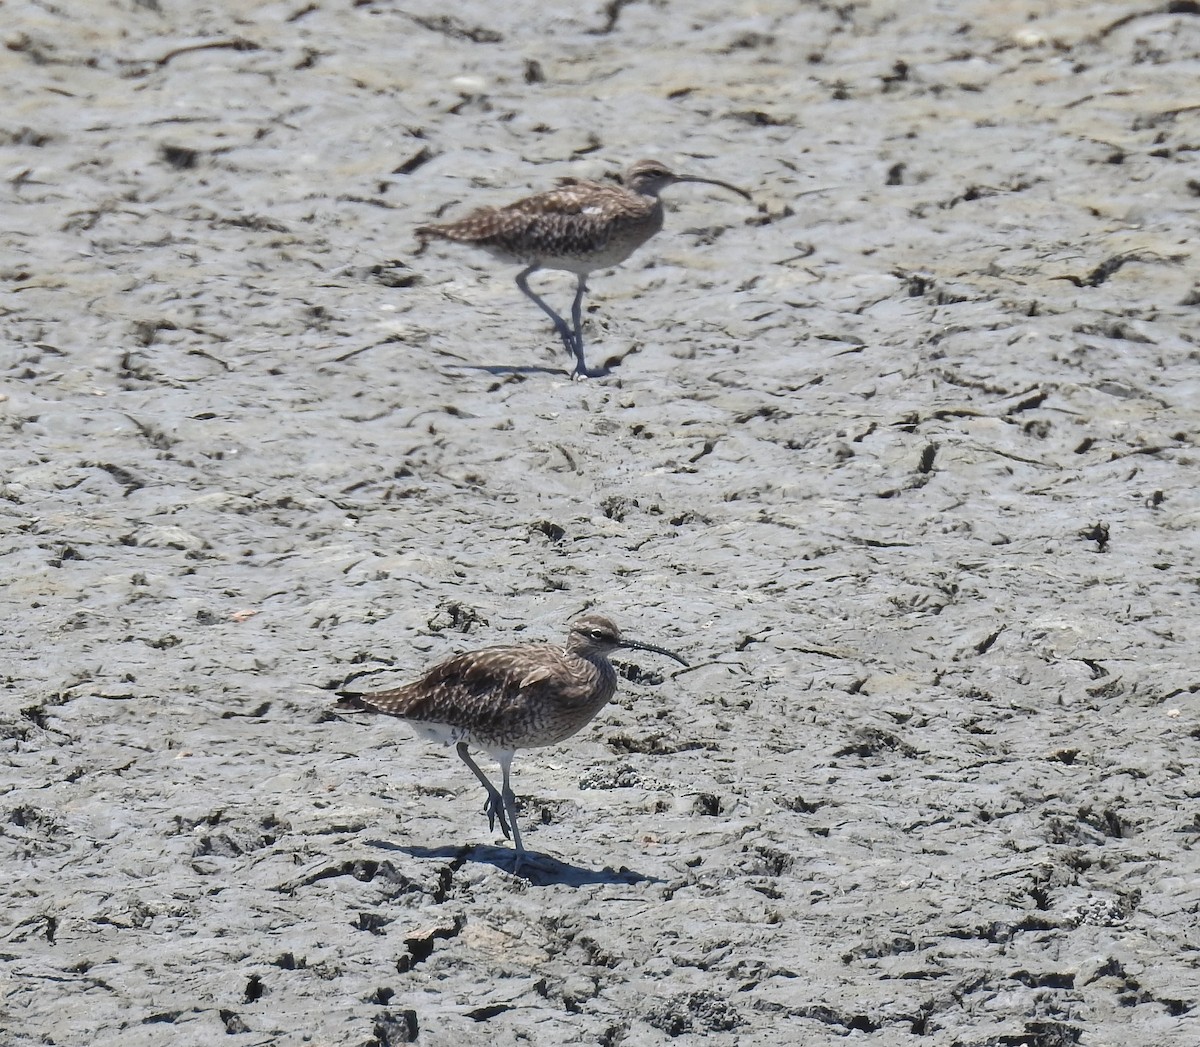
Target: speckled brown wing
[
  {"x": 498, "y": 692},
  {"x": 574, "y": 219},
  {"x": 582, "y": 197}
]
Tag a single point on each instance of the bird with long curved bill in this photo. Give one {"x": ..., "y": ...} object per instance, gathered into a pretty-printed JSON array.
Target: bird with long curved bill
[
  {"x": 501, "y": 699},
  {"x": 579, "y": 227}
]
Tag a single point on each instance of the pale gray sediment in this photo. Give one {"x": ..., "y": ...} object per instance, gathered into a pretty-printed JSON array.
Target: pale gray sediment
[{"x": 905, "y": 466}]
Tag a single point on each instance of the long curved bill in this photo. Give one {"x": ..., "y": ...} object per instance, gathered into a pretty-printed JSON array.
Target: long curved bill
[
  {"x": 712, "y": 181},
  {"x": 651, "y": 647}
]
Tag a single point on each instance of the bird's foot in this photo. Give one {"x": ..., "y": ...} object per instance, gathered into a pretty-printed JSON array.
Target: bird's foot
[
  {"x": 581, "y": 368},
  {"x": 494, "y": 809},
  {"x": 570, "y": 344},
  {"x": 583, "y": 371},
  {"x": 573, "y": 343}
]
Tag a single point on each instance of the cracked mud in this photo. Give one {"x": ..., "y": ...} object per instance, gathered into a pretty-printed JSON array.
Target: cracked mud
[{"x": 902, "y": 458}]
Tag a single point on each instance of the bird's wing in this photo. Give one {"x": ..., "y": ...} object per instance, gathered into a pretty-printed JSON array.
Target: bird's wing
[
  {"x": 566, "y": 199},
  {"x": 493, "y": 666},
  {"x": 581, "y": 198},
  {"x": 474, "y": 688}
]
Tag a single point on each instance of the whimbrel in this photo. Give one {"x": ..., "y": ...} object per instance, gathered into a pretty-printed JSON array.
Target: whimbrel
[
  {"x": 579, "y": 227},
  {"x": 501, "y": 699}
]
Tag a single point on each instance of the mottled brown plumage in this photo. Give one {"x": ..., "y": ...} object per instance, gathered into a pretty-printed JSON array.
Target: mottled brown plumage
[
  {"x": 502, "y": 699},
  {"x": 579, "y": 227}
]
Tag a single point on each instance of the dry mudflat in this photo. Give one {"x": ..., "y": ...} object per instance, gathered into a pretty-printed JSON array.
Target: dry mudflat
[{"x": 902, "y": 456}]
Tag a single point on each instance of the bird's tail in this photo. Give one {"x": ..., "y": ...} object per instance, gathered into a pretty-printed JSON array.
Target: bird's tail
[{"x": 349, "y": 702}]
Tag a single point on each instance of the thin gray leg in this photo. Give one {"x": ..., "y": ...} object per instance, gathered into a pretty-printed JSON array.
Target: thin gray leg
[
  {"x": 510, "y": 801},
  {"x": 495, "y": 806},
  {"x": 581, "y": 367},
  {"x": 560, "y": 325}
]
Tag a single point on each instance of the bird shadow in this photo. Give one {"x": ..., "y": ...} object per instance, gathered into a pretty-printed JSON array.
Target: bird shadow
[
  {"x": 605, "y": 369},
  {"x": 539, "y": 870},
  {"x": 500, "y": 369}
]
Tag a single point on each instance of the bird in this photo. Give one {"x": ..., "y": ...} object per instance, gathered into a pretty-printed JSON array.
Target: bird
[
  {"x": 579, "y": 227},
  {"x": 502, "y": 699}
]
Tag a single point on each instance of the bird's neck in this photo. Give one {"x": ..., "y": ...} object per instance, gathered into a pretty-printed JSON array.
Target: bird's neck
[{"x": 605, "y": 677}]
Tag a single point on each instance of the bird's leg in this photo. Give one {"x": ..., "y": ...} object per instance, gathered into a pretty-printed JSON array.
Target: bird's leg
[
  {"x": 495, "y": 806},
  {"x": 560, "y": 325},
  {"x": 510, "y": 800},
  {"x": 581, "y": 367}
]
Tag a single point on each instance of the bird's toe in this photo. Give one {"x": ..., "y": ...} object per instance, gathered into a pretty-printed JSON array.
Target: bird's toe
[{"x": 494, "y": 809}]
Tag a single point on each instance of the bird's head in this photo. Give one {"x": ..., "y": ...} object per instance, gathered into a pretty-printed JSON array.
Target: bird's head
[
  {"x": 593, "y": 634},
  {"x": 650, "y": 177}
]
